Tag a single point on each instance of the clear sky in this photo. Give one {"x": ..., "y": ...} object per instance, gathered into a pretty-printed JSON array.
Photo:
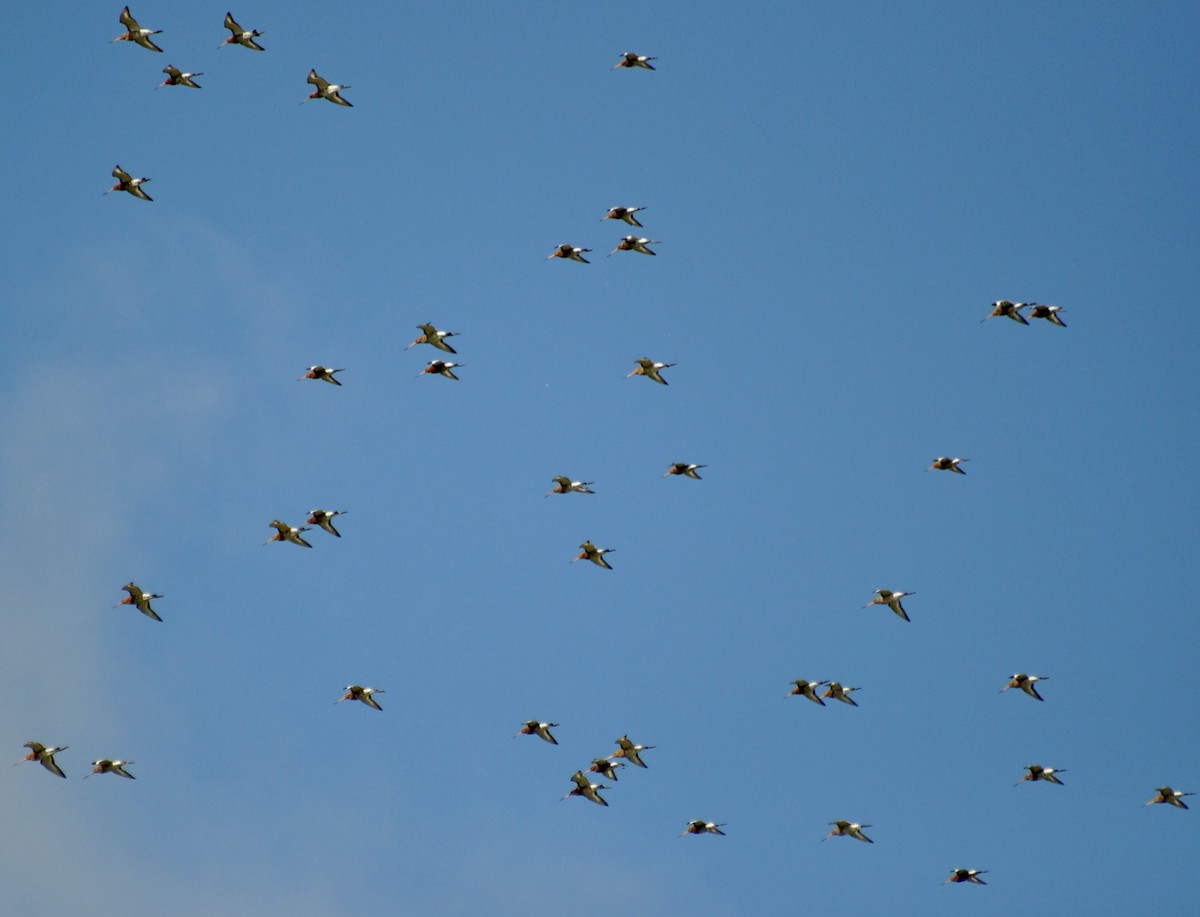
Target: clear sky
[{"x": 840, "y": 190}]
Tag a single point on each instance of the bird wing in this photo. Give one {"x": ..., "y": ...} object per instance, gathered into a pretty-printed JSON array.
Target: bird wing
[
  {"x": 49, "y": 764},
  {"x": 231, "y": 24},
  {"x": 318, "y": 81}
]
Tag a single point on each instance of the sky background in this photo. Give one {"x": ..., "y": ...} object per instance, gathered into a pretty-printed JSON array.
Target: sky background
[{"x": 840, "y": 190}]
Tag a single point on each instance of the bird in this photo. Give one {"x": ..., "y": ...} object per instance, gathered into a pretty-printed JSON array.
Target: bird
[
  {"x": 326, "y": 90},
  {"x": 891, "y": 600},
  {"x": 140, "y": 600},
  {"x": 564, "y": 485},
  {"x": 176, "y": 77},
  {"x": 1011, "y": 309},
  {"x": 624, "y": 213},
  {"x": 1170, "y": 797},
  {"x": 285, "y": 532},
  {"x": 324, "y": 373},
  {"x": 703, "y": 827},
  {"x": 135, "y": 33},
  {"x": 808, "y": 689},
  {"x": 605, "y": 767},
  {"x": 588, "y": 790},
  {"x": 848, "y": 829},
  {"x": 595, "y": 555},
  {"x": 838, "y": 691},
  {"x": 126, "y": 182},
  {"x": 966, "y": 875},
  {"x": 45, "y": 756},
  {"x": 629, "y": 751},
  {"x": 105, "y": 766},
  {"x": 434, "y": 338},
  {"x": 366, "y": 695},
  {"x": 441, "y": 368},
  {"x": 567, "y": 250},
  {"x": 635, "y": 244},
  {"x": 324, "y": 518},
  {"x": 945, "y": 463},
  {"x": 683, "y": 468},
  {"x": 541, "y": 730},
  {"x": 633, "y": 59},
  {"x": 1025, "y": 683},
  {"x": 1049, "y": 313},
  {"x": 648, "y": 368},
  {"x": 240, "y": 36},
  {"x": 1037, "y": 772}
]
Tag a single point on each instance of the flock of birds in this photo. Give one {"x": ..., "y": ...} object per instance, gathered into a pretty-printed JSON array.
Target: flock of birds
[{"x": 627, "y": 751}]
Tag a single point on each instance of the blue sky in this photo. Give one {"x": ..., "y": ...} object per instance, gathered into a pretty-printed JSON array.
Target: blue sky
[{"x": 840, "y": 191}]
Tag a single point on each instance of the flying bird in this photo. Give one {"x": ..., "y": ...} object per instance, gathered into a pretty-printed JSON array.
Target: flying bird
[
  {"x": 366, "y": 695},
  {"x": 441, "y": 368},
  {"x": 630, "y": 752},
  {"x": 635, "y": 244},
  {"x": 105, "y": 766},
  {"x": 176, "y": 77},
  {"x": 683, "y": 468},
  {"x": 45, "y": 756},
  {"x": 588, "y": 790},
  {"x": 573, "y": 252},
  {"x": 633, "y": 59},
  {"x": 324, "y": 518},
  {"x": 966, "y": 875},
  {"x": 326, "y": 90},
  {"x": 135, "y": 33},
  {"x": 240, "y": 36},
  {"x": 285, "y": 532},
  {"x": 1026, "y": 684},
  {"x": 848, "y": 829},
  {"x": 564, "y": 485},
  {"x": 140, "y": 600},
  {"x": 595, "y": 555},
  {"x": 703, "y": 827},
  {"x": 1049, "y": 313},
  {"x": 1010, "y": 309},
  {"x": 324, "y": 373},
  {"x": 126, "y": 182},
  {"x": 541, "y": 730},
  {"x": 838, "y": 691},
  {"x": 891, "y": 600},
  {"x": 945, "y": 463},
  {"x": 434, "y": 338},
  {"x": 624, "y": 213},
  {"x": 1170, "y": 797},
  {"x": 808, "y": 689},
  {"x": 605, "y": 767},
  {"x": 1037, "y": 772},
  {"x": 648, "y": 368}
]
